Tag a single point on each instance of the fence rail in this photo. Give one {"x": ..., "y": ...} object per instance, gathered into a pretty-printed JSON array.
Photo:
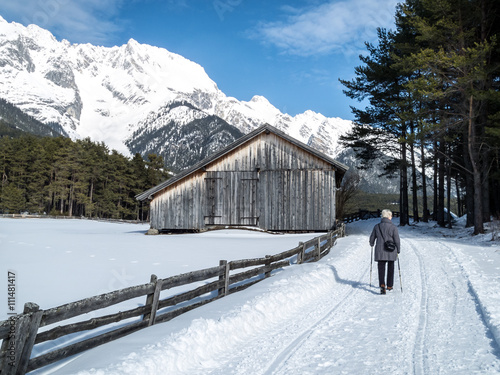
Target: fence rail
[
  {"x": 364, "y": 215},
  {"x": 20, "y": 333}
]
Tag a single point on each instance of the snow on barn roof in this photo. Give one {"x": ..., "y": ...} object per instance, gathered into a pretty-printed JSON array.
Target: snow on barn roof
[{"x": 341, "y": 168}]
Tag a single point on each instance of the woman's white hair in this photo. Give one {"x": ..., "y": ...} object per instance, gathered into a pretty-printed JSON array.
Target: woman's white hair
[{"x": 386, "y": 213}]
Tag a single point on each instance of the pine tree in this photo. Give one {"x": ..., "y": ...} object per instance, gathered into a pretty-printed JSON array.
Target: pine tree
[
  {"x": 139, "y": 182},
  {"x": 13, "y": 199},
  {"x": 38, "y": 172},
  {"x": 156, "y": 171},
  {"x": 379, "y": 81}
]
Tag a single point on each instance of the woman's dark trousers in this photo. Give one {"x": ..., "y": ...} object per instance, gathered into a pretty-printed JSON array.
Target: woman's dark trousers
[{"x": 390, "y": 273}]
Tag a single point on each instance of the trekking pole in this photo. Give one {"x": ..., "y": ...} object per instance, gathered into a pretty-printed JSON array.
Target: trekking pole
[
  {"x": 399, "y": 269},
  {"x": 371, "y": 262}
]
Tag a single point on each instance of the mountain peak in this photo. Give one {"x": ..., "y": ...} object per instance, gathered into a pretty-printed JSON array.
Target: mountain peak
[
  {"x": 43, "y": 35},
  {"x": 133, "y": 44},
  {"x": 259, "y": 99}
]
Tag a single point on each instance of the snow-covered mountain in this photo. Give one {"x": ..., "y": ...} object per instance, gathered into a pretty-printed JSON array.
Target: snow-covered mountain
[
  {"x": 182, "y": 134},
  {"x": 119, "y": 94}
]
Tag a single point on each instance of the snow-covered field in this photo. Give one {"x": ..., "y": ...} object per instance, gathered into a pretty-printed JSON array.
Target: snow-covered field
[{"x": 317, "y": 318}]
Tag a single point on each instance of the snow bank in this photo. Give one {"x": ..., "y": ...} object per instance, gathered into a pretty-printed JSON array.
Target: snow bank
[
  {"x": 202, "y": 345},
  {"x": 484, "y": 281}
]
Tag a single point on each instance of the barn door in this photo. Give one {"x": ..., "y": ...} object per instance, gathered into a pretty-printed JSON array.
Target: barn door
[
  {"x": 231, "y": 198},
  {"x": 247, "y": 201},
  {"x": 213, "y": 209}
]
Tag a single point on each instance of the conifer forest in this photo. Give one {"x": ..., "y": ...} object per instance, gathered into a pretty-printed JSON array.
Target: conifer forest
[
  {"x": 432, "y": 84},
  {"x": 58, "y": 176}
]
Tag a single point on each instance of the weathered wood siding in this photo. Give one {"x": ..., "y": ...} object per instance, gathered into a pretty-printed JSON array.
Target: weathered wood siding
[
  {"x": 267, "y": 182},
  {"x": 181, "y": 206},
  {"x": 297, "y": 199}
]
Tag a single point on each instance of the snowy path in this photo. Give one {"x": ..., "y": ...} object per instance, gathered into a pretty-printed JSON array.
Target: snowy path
[
  {"x": 324, "y": 318},
  {"x": 433, "y": 327}
]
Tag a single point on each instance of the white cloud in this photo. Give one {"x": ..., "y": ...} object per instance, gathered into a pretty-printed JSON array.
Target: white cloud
[
  {"x": 76, "y": 20},
  {"x": 332, "y": 27}
]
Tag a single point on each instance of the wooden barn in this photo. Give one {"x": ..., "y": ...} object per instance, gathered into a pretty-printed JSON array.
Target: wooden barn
[{"x": 265, "y": 179}]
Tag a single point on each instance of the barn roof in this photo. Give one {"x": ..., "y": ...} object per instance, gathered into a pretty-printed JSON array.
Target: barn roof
[{"x": 342, "y": 168}]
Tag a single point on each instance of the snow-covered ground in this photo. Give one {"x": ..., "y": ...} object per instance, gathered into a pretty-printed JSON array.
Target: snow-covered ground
[{"x": 316, "y": 318}]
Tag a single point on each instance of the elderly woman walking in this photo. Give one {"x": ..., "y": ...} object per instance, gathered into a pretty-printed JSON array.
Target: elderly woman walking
[{"x": 386, "y": 250}]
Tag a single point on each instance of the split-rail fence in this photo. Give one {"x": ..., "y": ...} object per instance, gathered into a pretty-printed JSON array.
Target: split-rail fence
[
  {"x": 365, "y": 215},
  {"x": 21, "y": 332}
]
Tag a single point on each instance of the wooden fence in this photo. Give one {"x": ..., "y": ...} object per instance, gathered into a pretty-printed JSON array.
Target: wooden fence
[
  {"x": 21, "y": 332},
  {"x": 365, "y": 215}
]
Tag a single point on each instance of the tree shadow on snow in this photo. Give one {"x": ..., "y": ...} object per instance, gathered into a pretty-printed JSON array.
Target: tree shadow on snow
[{"x": 355, "y": 284}]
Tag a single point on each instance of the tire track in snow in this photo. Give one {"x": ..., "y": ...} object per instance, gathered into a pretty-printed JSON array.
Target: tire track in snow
[
  {"x": 338, "y": 302},
  {"x": 475, "y": 297},
  {"x": 418, "y": 348},
  {"x": 287, "y": 352},
  {"x": 451, "y": 334}
]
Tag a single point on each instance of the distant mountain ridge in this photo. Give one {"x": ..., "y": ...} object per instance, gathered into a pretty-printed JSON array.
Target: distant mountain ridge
[
  {"x": 108, "y": 93},
  {"x": 139, "y": 98}
]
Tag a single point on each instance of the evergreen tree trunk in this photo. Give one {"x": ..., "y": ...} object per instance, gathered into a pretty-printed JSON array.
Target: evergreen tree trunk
[
  {"x": 459, "y": 198},
  {"x": 474, "y": 158},
  {"x": 71, "y": 195},
  {"x": 469, "y": 185},
  {"x": 485, "y": 192},
  {"x": 448, "y": 192},
  {"x": 495, "y": 201},
  {"x": 435, "y": 183},
  {"x": 485, "y": 166},
  {"x": 425, "y": 215},
  {"x": 92, "y": 210},
  {"x": 414, "y": 184},
  {"x": 469, "y": 201},
  {"x": 404, "y": 219},
  {"x": 441, "y": 174}
]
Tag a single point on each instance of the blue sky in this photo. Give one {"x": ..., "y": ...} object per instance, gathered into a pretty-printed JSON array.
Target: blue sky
[{"x": 291, "y": 52}]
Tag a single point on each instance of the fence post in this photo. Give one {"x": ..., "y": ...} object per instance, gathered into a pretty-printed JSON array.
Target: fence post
[
  {"x": 225, "y": 277},
  {"x": 268, "y": 263},
  {"x": 153, "y": 299},
  {"x": 300, "y": 254},
  {"x": 21, "y": 343},
  {"x": 32, "y": 330},
  {"x": 318, "y": 254}
]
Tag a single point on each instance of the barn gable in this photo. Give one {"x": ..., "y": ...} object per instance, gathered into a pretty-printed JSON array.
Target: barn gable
[{"x": 265, "y": 179}]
